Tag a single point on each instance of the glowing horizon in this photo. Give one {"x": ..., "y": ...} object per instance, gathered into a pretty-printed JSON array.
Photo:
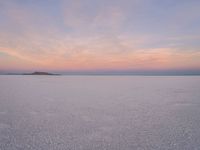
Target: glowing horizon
[{"x": 80, "y": 35}]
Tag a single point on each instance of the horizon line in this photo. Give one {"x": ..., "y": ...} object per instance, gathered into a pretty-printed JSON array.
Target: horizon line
[{"x": 114, "y": 72}]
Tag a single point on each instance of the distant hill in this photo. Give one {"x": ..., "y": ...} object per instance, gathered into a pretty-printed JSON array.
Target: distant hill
[{"x": 40, "y": 73}]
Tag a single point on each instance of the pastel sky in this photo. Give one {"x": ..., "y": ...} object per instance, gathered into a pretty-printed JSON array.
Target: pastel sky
[{"x": 71, "y": 35}]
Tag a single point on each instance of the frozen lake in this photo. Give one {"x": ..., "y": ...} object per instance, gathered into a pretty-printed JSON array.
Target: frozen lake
[{"x": 99, "y": 112}]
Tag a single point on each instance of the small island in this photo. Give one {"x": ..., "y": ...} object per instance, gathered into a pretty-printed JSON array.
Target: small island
[{"x": 40, "y": 73}]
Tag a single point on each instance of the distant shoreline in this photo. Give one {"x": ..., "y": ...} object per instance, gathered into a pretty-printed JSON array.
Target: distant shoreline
[
  {"x": 107, "y": 73},
  {"x": 96, "y": 74}
]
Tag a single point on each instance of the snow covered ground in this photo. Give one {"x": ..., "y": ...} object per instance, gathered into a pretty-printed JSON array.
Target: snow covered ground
[{"x": 99, "y": 112}]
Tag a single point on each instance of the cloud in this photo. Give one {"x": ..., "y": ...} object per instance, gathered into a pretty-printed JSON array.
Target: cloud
[
  {"x": 87, "y": 19},
  {"x": 93, "y": 36},
  {"x": 101, "y": 53}
]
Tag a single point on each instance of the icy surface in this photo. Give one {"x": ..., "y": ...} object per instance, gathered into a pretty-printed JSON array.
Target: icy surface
[{"x": 99, "y": 113}]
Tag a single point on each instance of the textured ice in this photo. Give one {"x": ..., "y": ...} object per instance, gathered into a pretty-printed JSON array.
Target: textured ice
[{"x": 99, "y": 113}]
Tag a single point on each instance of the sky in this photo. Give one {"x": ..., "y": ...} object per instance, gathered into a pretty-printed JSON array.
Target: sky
[{"x": 99, "y": 35}]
